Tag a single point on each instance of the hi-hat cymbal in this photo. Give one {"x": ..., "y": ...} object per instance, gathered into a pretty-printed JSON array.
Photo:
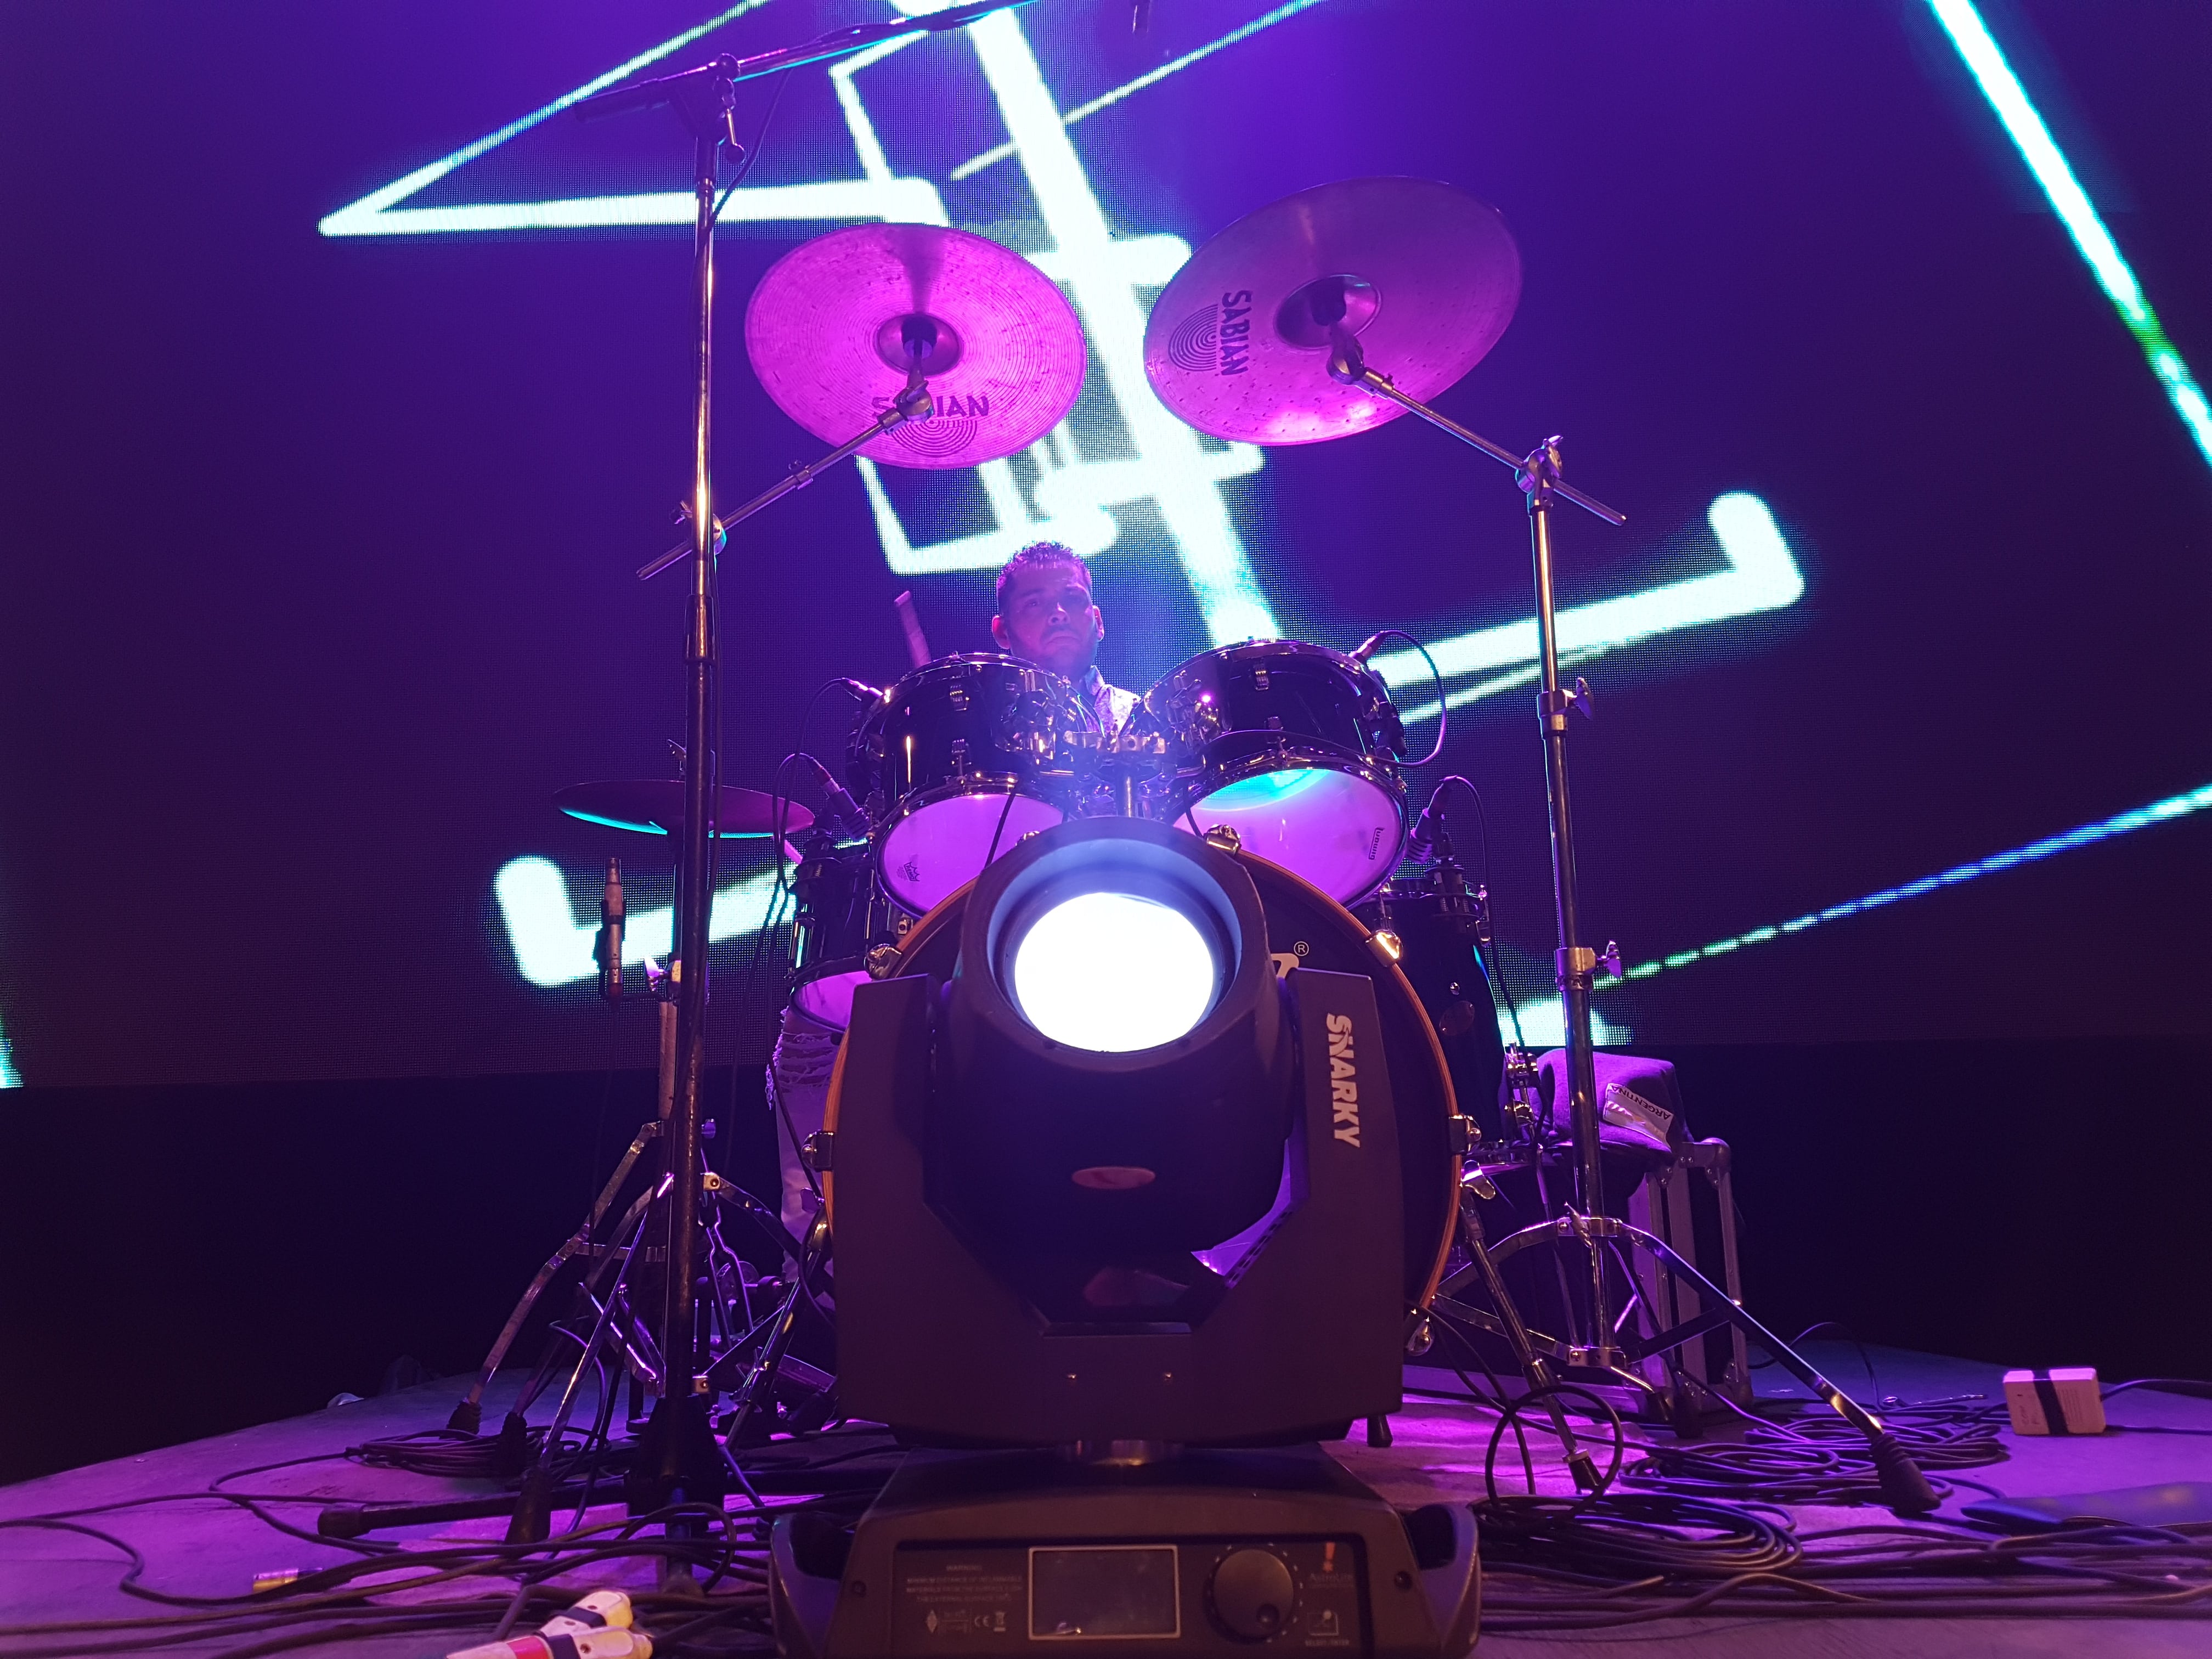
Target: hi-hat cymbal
[
  {"x": 1423, "y": 274},
  {"x": 655, "y": 805},
  {"x": 834, "y": 323}
]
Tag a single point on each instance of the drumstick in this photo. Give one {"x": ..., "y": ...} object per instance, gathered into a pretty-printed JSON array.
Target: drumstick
[{"x": 916, "y": 647}]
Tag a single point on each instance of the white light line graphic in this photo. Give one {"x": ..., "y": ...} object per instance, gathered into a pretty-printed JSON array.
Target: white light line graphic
[
  {"x": 997, "y": 153},
  {"x": 10, "y": 1077},
  {"x": 1761, "y": 576},
  {"x": 2087, "y": 834},
  {"x": 553, "y": 947},
  {"x": 370, "y": 215},
  {"x": 1177, "y": 473},
  {"x": 2032, "y": 137}
]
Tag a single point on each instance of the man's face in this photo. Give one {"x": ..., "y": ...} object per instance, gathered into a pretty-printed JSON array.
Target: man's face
[{"x": 1049, "y": 619}]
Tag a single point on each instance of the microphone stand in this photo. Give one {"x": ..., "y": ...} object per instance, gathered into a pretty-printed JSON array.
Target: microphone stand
[
  {"x": 679, "y": 1460},
  {"x": 1904, "y": 1487}
]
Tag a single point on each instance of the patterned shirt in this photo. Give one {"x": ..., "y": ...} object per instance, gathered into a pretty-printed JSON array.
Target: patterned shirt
[{"x": 1108, "y": 706}]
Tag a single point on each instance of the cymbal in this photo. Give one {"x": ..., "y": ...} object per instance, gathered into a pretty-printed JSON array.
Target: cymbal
[
  {"x": 655, "y": 805},
  {"x": 1423, "y": 274},
  {"x": 834, "y": 323}
]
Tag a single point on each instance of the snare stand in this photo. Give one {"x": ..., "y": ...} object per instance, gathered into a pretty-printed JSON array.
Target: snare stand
[{"x": 1904, "y": 1487}]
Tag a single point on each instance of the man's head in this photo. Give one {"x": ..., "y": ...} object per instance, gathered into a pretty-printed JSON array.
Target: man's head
[{"x": 1045, "y": 612}]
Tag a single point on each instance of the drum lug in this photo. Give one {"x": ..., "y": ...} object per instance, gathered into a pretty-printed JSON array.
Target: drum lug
[
  {"x": 957, "y": 696},
  {"x": 1259, "y": 677},
  {"x": 820, "y": 1151},
  {"x": 1387, "y": 945},
  {"x": 883, "y": 960},
  {"x": 1226, "y": 837}
]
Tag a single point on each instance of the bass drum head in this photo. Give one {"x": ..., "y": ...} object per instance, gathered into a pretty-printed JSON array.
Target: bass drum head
[
  {"x": 1333, "y": 826},
  {"x": 937, "y": 845},
  {"x": 1307, "y": 928}
]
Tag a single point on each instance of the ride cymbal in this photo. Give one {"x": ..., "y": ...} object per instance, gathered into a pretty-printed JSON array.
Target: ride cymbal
[
  {"x": 836, "y": 322},
  {"x": 1423, "y": 275},
  {"x": 655, "y": 806}
]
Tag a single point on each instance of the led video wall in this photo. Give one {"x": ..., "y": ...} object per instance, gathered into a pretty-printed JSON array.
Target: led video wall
[{"x": 1822, "y": 302}]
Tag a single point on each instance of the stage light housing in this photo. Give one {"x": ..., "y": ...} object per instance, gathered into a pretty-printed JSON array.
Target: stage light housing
[{"x": 1117, "y": 1069}]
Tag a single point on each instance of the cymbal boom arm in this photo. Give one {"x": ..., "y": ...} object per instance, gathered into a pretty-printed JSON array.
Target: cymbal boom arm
[{"x": 911, "y": 404}]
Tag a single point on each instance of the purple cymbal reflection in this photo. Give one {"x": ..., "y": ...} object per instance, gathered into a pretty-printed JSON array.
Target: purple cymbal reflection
[
  {"x": 1423, "y": 275},
  {"x": 655, "y": 806},
  {"x": 836, "y": 323}
]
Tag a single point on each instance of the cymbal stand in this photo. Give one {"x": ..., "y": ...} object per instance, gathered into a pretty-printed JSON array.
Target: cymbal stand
[
  {"x": 1904, "y": 1487},
  {"x": 678, "y": 1459}
]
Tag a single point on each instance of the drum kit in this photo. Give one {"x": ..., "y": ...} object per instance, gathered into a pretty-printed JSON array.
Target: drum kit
[{"x": 923, "y": 346}]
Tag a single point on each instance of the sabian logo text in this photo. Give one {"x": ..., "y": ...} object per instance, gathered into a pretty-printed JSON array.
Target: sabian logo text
[{"x": 1343, "y": 1079}]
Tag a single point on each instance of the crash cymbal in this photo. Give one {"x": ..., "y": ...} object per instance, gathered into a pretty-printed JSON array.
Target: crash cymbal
[
  {"x": 655, "y": 805},
  {"x": 1423, "y": 274},
  {"x": 835, "y": 322}
]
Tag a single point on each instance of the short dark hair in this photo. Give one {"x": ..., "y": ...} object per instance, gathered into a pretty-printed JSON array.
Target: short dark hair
[{"x": 1039, "y": 556}]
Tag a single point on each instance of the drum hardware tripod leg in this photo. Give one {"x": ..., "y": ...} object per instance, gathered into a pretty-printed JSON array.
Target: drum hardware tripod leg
[
  {"x": 759, "y": 1381},
  {"x": 1904, "y": 1487},
  {"x": 1533, "y": 1370},
  {"x": 468, "y": 1416}
]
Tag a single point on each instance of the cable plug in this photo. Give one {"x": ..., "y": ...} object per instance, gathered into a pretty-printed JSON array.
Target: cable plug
[{"x": 1904, "y": 1489}]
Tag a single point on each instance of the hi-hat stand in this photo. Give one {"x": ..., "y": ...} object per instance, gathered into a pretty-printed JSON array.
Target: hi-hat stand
[{"x": 1585, "y": 1221}]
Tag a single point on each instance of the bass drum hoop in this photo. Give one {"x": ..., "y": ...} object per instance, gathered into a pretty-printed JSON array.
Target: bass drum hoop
[{"x": 943, "y": 923}]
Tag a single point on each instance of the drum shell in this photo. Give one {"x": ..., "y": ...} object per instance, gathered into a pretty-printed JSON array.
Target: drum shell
[
  {"x": 992, "y": 719},
  {"x": 841, "y": 913},
  {"x": 1271, "y": 707},
  {"x": 1439, "y": 958},
  {"x": 1226, "y": 705}
]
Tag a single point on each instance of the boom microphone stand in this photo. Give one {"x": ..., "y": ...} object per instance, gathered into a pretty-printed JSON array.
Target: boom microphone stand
[
  {"x": 1904, "y": 1487},
  {"x": 679, "y": 1460}
]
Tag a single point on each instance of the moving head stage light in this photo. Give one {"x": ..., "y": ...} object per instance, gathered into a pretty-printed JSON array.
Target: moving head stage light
[{"x": 1135, "y": 1169}]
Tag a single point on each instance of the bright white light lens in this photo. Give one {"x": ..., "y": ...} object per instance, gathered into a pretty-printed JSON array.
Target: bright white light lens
[{"x": 1112, "y": 973}]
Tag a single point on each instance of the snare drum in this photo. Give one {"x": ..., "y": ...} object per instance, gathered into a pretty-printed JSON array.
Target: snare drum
[
  {"x": 842, "y": 915},
  {"x": 960, "y": 760},
  {"x": 1294, "y": 746}
]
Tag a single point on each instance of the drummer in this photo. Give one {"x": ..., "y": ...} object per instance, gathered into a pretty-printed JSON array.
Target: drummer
[{"x": 1047, "y": 616}]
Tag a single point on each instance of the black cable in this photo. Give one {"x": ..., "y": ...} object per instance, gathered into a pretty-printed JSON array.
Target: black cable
[
  {"x": 1493, "y": 963},
  {"x": 752, "y": 153},
  {"x": 1443, "y": 714}
]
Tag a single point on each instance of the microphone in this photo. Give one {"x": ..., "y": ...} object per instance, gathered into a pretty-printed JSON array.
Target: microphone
[
  {"x": 862, "y": 691},
  {"x": 1366, "y": 648},
  {"x": 608, "y": 948},
  {"x": 841, "y": 810},
  {"x": 1429, "y": 831}
]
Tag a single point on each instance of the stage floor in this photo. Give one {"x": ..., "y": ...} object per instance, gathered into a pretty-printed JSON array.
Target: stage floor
[{"x": 203, "y": 1546}]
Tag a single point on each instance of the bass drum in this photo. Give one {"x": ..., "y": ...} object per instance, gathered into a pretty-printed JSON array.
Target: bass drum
[{"x": 1306, "y": 928}]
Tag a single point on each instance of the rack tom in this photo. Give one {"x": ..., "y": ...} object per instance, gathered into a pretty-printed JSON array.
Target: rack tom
[
  {"x": 1296, "y": 748},
  {"x": 958, "y": 762}
]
